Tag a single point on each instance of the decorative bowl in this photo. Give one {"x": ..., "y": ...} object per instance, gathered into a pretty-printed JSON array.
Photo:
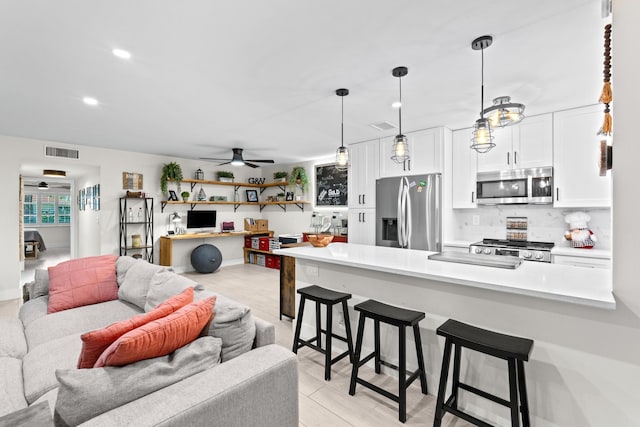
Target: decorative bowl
[{"x": 320, "y": 240}]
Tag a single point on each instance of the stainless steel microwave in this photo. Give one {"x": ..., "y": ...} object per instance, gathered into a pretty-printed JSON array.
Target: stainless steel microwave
[{"x": 515, "y": 186}]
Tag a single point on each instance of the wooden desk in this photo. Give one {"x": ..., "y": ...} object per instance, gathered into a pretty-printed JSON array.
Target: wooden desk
[{"x": 166, "y": 242}]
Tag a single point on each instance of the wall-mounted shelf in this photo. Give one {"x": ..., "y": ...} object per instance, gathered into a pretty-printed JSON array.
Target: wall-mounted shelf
[{"x": 236, "y": 185}]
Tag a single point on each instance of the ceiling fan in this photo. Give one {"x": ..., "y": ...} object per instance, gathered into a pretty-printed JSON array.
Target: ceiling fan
[{"x": 237, "y": 159}]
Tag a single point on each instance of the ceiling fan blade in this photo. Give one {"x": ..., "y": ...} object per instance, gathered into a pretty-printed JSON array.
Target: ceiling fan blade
[
  {"x": 260, "y": 161},
  {"x": 216, "y": 160},
  {"x": 225, "y": 163},
  {"x": 251, "y": 165}
]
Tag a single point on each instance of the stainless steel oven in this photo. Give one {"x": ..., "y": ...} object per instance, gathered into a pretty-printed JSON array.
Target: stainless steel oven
[{"x": 515, "y": 186}]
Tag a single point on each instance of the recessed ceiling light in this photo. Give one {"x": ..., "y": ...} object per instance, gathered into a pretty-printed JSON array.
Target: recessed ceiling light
[
  {"x": 121, "y": 53},
  {"x": 90, "y": 101},
  {"x": 396, "y": 104},
  {"x": 54, "y": 172}
]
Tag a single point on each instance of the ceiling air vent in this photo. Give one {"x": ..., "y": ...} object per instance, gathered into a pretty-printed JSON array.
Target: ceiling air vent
[
  {"x": 61, "y": 152},
  {"x": 383, "y": 126}
]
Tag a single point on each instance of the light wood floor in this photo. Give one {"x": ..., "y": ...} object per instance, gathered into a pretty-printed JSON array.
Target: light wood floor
[{"x": 322, "y": 403}]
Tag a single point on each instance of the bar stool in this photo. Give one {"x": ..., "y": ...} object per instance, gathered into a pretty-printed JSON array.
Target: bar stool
[
  {"x": 514, "y": 350},
  {"x": 401, "y": 318},
  {"x": 328, "y": 298}
]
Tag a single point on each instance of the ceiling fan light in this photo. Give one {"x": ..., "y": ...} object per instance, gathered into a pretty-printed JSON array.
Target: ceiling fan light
[
  {"x": 43, "y": 186},
  {"x": 482, "y": 140},
  {"x": 342, "y": 158},
  {"x": 54, "y": 173},
  {"x": 236, "y": 162},
  {"x": 400, "y": 149}
]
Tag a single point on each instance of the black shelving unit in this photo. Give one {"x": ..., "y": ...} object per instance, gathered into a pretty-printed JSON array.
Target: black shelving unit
[{"x": 142, "y": 226}]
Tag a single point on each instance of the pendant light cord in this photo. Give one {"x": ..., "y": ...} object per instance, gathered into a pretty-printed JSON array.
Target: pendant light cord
[
  {"x": 342, "y": 124},
  {"x": 400, "y": 108},
  {"x": 482, "y": 84}
]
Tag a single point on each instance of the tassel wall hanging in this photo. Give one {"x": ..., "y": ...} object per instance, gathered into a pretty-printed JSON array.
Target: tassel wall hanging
[{"x": 606, "y": 97}]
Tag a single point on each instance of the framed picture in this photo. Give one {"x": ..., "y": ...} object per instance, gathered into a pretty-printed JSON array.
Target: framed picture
[
  {"x": 131, "y": 181},
  {"x": 173, "y": 196},
  {"x": 331, "y": 186},
  {"x": 252, "y": 195},
  {"x": 289, "y": 196}
]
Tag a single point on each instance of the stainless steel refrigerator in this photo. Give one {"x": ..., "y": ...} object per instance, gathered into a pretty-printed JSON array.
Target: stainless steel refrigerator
[{"x": 409, "y": 212}]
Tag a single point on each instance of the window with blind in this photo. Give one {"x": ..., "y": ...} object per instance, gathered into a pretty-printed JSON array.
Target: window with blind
[{"x": 47, "y": 208}]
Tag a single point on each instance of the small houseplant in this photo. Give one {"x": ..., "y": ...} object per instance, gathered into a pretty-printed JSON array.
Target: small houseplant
[
  {"x": 170, "y": 172},
  {"x": 280, "y": 176},
  {"x": 280, "y": 197},
  {"x": 298, "y": 176},
  {"x": 225, "y": 176},
  {"x": 185, "y": 196}
]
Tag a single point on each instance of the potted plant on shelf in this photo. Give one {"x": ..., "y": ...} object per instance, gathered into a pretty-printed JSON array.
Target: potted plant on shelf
[
  {"x": 225, "y": 176},
  {"x": 170, "y": 172},
  {"x": 298, "y": 177},
  {"x": 280, "y": 197},
  {"x": 280, "y": 176},
  {"x": 185, "y": 196}
]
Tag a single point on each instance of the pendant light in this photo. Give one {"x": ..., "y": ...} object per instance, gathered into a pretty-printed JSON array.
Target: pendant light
[
  {"x": 400, "y": 150},
  {"x": 482, "y": 140},
  {"x": 503, "y": 112},
  {"x": 342, "y": 153}
]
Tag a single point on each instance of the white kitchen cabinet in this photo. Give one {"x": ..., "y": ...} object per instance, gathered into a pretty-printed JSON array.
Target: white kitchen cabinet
[
  {"x": 362, "y": 226},
  {"x": 576, "y": 157},
  {"x": 363, "y": 173},
  {"x": 578, "y": 261},
  {"x": 463, "y": 170},
  {"x": 529, "y": 144},
  {"x": 425, "y": 150}
]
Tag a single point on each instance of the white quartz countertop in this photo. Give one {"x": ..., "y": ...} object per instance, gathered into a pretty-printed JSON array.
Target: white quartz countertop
[
  {"x": 579, "y": 252},
  {"x": 459, "y": 243},
  {"x": 565, "y": 283}
]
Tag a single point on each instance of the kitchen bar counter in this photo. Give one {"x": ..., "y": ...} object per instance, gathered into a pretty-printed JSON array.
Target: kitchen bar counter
[{"x": 555, "y": 282}]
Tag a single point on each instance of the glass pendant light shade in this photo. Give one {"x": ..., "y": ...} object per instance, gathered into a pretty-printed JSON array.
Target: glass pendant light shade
[
  {"x": 503, "y": 112},
  {"x": 400, "y": 149},
  {"x": 482, "y": 140},
  {"x": 342, "y": 153}
]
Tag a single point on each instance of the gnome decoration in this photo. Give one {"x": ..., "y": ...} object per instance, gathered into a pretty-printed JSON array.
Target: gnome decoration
[{"x": 579, "y": 234}]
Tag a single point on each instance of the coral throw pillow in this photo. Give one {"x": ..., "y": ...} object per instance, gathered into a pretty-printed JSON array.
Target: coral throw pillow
[
  {"x": 159, "y": 337},
  {"x": 94, "y": 343},
  {"x": 82, "y": 281}
]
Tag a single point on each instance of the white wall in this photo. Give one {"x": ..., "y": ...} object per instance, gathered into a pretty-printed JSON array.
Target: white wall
[{"x": 55, "y": 236}]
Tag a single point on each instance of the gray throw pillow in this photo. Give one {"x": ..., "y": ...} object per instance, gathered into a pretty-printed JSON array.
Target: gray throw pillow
[
  {"x": 40, "y": 284},
  {"x": 36, "y": 415},
  {"x": 165, "y": 284},
  {"x": 135, "y": 284},
  {"x": 123, "y": 264},
  {"x": 86, "y": 393}
]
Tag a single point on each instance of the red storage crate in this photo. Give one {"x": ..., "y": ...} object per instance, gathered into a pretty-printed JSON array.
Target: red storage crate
[
  {"x": 263, "y": 244},
  {"x": 277, "y": 258},
  {"x": 270, "y": 262},
  {"x": 247, "y": 241}
]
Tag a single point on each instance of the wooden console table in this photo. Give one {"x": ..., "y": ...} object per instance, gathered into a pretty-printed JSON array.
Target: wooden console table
[{"x": 166, "y": 242}]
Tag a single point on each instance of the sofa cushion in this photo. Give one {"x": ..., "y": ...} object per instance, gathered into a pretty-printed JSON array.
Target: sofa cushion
[
  {"x": 94, "y": 343},
  {"x": 40, "y": 364},
  {"x": 164, "y": 284},
  {"x": 11, "y": 388},
  {"x": 233, "y": 323},
  {"x": 33, "y": 416},
  {"x": 33, "y": 309},
  {"x": 82, "y": 281},
  {"x": 76, "y": 321},
  {"x": 40, "y": 284},
  {"x": 86, "y": 393},
  {"x": 134, "y": 278},
  {"x": 159, "y": 337},
  {"x": 13, "y": 342}
]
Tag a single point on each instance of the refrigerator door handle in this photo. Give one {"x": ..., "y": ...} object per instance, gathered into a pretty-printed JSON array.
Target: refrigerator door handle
[
  {"x": 407, "y": 215},
  {"x": 400, "y": 215}
]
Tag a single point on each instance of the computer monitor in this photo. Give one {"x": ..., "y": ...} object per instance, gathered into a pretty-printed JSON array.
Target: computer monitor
[{"x": 201, "y": 219}]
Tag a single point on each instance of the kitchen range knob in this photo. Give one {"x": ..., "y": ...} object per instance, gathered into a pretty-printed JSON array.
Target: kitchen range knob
[
  {"x": 478, "y": 250},
  {"x": 526, "y": 254},
  {"x": 487, "y": 251},
  {"x": 538, "y": 255}
]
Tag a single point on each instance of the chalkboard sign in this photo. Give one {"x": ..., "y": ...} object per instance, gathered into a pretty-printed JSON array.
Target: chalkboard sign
[{"x": 331, "y": 186}]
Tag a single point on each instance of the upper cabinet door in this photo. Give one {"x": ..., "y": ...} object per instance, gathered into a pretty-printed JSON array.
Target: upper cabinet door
[
  {"x": 425, "y": 149},
  {"x": 533, "y": 142},
  {"x": 463, "y": 171},
  {"x": 576, "y": 157},
  {"x": 528, "y": 144},
  {"x": 363, "y": 173}
]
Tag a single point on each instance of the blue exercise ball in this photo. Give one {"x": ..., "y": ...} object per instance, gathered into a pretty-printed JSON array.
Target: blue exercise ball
[{"x": 206, "y": 258}]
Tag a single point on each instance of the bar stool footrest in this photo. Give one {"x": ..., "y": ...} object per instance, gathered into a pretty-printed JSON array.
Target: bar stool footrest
[
  {"x": 377, "y": 389},
  {"x": 484, "y": 394},
  {"x": 469, "y": 418}
]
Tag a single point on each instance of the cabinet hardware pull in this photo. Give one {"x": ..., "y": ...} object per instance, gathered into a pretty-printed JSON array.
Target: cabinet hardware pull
[
  {"x": 472, "y": 196},
  {"x": 557, "y": 194},
  {"x": 359, "y": 199},
  {"x": 362, "y": 216},
  {"x": 515, "y": 157},
  {"x": 508, "y": 158},
  {"x": 409, "y": 163},
  {"x": 363, "y": 199},
  {"x": 404, "y": 165}
]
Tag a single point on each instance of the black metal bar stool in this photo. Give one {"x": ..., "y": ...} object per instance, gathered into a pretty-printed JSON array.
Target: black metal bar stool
[
  {"x": 328, "y": 298},
  {"x": 514, "y": 350},
  {"x": 401, "y": 318}
]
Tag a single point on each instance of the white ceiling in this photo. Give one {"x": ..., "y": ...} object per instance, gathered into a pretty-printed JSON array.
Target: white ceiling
[{"x": 207, "y": 76}]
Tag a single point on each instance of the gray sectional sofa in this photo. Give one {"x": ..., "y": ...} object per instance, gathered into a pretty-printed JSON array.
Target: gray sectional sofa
[{"x": 256, "y": 383}]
